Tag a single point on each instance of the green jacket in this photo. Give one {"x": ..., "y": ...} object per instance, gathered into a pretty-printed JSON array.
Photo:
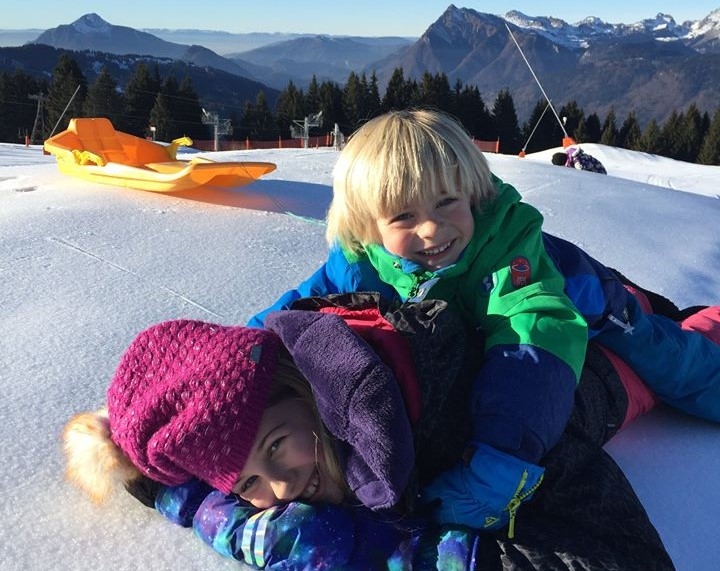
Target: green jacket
[
  {"x": 507, "y": 286},
  {"x": 480, "y": 285}
]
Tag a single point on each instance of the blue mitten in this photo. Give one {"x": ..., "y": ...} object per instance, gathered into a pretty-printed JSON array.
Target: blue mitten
[{"x": 484, "y": 493}]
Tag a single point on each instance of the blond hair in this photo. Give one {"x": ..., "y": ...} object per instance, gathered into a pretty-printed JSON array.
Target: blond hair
[
  {"x": 396, "y": 159},
  {"x": 96, "y": 465}
]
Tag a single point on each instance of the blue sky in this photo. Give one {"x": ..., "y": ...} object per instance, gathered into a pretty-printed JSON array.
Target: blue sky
[{"x": 367, "y": 18}]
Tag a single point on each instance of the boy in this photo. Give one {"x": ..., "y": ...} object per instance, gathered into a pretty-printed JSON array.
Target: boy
[{"x": 417, "y": 213}]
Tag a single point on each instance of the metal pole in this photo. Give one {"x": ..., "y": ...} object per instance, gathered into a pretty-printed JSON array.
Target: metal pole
[
  {"x": 535, "y": 127},
  {"x": 64, "y": 110},
  {"x": 538, "y": 82}
]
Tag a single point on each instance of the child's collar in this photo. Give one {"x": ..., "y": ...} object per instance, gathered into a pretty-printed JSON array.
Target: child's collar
[{"x": 412, "y": 267}]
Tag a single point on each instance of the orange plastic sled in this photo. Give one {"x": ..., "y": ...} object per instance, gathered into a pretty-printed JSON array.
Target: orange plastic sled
[{"x": 92, "y": 149}]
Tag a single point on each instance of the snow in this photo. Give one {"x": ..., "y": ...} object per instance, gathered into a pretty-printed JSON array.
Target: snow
[{"x": 84, "y": 267}]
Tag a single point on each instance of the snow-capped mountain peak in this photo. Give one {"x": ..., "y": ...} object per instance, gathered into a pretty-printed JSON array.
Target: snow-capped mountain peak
[
  {"x": 91, "y": 24},
  {"x": 662, "y": 27},
  {"x": 709, "y": 24}
]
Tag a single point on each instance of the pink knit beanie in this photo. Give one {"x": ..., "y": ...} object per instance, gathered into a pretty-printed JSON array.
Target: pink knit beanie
[{"x": 187, "y": 399}]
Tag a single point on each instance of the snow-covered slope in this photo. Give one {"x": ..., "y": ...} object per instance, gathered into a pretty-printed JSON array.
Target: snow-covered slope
[{"x": 84, "y": 267}]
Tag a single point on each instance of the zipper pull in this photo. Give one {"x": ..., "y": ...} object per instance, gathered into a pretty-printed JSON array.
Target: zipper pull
[{"x": 626, "y": 327}]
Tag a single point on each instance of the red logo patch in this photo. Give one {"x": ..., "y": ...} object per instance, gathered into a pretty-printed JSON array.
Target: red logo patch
[{"x": 520, "y": 271}]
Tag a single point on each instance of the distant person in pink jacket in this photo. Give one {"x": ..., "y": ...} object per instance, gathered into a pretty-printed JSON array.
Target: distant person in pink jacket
[{"x": 575, "y": 157}]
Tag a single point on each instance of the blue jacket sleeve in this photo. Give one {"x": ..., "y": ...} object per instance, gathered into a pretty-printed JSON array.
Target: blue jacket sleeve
[
  {"x": 336, "y": 275},
  {"x": 304, "y": 536},
  {"x": 300, "y": 536},
  {"x": 179, "y": 504},
  {"x": 521, "y": 400},
  {"x": 322, "y": 282}
]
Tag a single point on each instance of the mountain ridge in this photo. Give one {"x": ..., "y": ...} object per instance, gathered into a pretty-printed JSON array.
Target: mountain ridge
[{"x": 653, "y": 66}]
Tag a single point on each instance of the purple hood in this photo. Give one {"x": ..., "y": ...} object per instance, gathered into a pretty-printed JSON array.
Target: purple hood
[{"x": 358, "y": 399}]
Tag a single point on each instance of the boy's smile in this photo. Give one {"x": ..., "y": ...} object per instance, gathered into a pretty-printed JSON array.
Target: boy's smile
[{"x": 431, "y": 232}]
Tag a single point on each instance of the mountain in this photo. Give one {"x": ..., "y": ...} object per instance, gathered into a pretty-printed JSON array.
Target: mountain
[
  {"x": 218, "y": 90},
  {"x": 91, "y": 32},
  {"x": 290, "y": 56},
  {"x": 223, "y": 43},
  {"x": 326, "y": 57},
  {"x": 12, "y": 38},
  {"x": 652, "y": 67}
]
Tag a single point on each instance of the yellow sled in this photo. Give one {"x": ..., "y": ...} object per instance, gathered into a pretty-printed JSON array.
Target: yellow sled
[{"x": 92, "y": 149}]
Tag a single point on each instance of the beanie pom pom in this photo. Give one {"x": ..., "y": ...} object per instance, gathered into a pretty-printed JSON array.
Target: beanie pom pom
[{"x": 95, "y": 464}]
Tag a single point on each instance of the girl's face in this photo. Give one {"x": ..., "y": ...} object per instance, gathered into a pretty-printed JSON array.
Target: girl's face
[
  {"x": 285, "y": 462},
  {"x": 432, "y": 232}
]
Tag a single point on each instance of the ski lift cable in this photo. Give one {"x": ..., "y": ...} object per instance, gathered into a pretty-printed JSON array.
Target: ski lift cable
[
  {"x": 537, "y": 81},
  {"x": 535, "y": 127},
  {"x": 65, "y": 110}
]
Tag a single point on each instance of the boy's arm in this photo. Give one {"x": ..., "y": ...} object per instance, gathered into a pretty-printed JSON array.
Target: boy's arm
[
  {"x": 535, "y": 347},
  {"x": 322, "y": 282},
  {"x": 521, "y": 398},
  {"x": 516, "y": 420},
  {"x": 337, "y": 275}
]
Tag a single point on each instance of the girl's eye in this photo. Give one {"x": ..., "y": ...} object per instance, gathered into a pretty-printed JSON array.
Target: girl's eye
[
  {"x": 247, "y": 484},
  {"x": 275, "y": 445}
]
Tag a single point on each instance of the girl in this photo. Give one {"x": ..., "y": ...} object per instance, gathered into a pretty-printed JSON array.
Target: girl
[{"x": 193, "y": 401}]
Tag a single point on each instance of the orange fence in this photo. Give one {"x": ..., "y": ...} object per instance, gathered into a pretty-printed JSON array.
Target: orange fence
[
  {"x": 313, "y": 142},
  {"x": 488, "y": 146}
]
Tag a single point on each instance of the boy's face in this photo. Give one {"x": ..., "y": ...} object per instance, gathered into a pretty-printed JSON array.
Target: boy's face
[
  {"x": 285, "y": 460},
  {"x": 432, "y": 232}
]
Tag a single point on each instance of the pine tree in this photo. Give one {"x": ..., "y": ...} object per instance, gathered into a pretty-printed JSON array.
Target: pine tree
[
  {"x": 609, "y": 130},
  {"x": 353, "y": 103},
  {"x": 19, "y": 95},
  {"x": 258, "y": 122},
  {"x": 163, "y": 115},
  {"x": 161, "y": 119},
  {"x": 593, "y": 129},
  {"x": 506, "y": 122},
  {"x": 581, "y": 134},
  {"x": 434, "y": 91},
  {"x": 103, "y": 98},
  {"x": 671, "y": 136},
  {"x": 188, "y": 111},
  {"x": 312, "y": 97},
  {"x": 572, "y": 116},
  {"x": 140, "y": 93},
  {"x": 369, "y": 98},
  {"x": 710, "y": 150},
  {"x": 400, "y": 93},
  {"x": 290, "y": 107},
  {"x": 331, "y": 104},
  {"x": 7, "y": 97},
  {"x": 541, "y": 130},
  {"x": 693, "y": 133},
  {"x": 66, "y": 95},
  {"x": 650, "y": 140},
  {"x": 373, "y": 96},
  {"x": 472, "y": 112},
  {"x": 630, "y": 133}
]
